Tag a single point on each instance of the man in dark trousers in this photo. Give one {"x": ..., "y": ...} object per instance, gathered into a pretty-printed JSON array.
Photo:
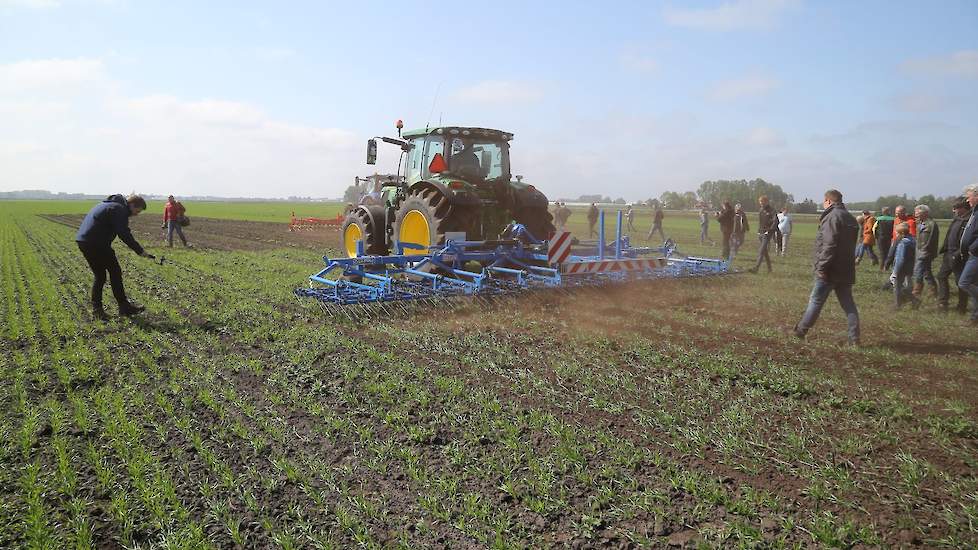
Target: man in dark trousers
[
  {"x": 835, "y": 265},
  {"x": 928, "y": 243},
  {"x": 726, "y": 218},
  {"x": 108, "y": 219},
  {"x": 969, "y": 248},
  {"x": 767, "y": 222},
  {"x": 592, "y": 220},
  {"x": 884, "y": 234},
  {"x": 952, "y": 261},
  {"x": 657, "y": 223}
]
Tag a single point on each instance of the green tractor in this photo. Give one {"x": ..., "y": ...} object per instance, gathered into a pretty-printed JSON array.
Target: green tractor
[{"x": 451, "y": 181}]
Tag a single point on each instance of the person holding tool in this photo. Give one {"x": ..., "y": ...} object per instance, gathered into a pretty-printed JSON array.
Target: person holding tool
[{"x": 108, "y": 219}]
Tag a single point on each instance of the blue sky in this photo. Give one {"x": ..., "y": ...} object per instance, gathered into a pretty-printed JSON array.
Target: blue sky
[{"x": 627, "y": 99}]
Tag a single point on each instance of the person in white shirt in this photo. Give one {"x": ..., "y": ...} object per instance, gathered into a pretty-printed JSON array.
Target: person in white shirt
[{"x": 784, "y": 225}]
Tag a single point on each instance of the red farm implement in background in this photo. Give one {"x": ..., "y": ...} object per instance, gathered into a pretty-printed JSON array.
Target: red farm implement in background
[{"x": 299, "y": 224}]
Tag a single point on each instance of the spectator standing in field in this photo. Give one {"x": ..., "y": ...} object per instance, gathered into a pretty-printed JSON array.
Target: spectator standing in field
[
  {"x": 867, "y": 238},
  {"x": 835, "y": 266},
  {"x": 776, "y": 236},
  {"x": 784, "y": 227},
  {"x": 725, "y": 217},
  {"x": 565, "y": 214},
  {"x": 173, "y": 214},
  {"x": 883, "y": 229},
  {"x": 969, "y": 248},
  {"x": 592, "y": 220},
  {"x": 705, "y": 227},
  {"x": 952, "y": 261},
  {"x": 928, "y": 242},
  {"x": 108, "y": 219},
  {"x": 630, "y": 216},
  {"x": 904, "y": 248},
  {"x": 766, "y": 222},
  {"x": 741, "y": 227},
  {"x": 657, "y": 222},
  {"x": 900, "y": 217}
]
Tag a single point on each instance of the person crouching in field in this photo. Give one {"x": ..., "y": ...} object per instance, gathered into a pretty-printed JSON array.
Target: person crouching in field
[
  {"x": 173, "y": 214},
  {"x": 904, "y": 253},
  {"x": 835, "y": 265},
  {"x": 108, "y": 219}
]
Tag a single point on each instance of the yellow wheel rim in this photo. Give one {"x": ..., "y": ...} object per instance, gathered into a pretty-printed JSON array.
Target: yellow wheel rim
[
  {"x": 350, "y": 238},
  {"x": 415, "y": 229}
]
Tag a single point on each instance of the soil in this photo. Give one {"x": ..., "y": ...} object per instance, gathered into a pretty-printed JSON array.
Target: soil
[
  {"x": 598, "y": 314},
  {"x": 219, "y": 234}
]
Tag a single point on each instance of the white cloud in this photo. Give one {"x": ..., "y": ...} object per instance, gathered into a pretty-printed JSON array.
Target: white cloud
[
  {"x": 96, "y": 140},
  {"x": 733, "y": 15},
  {"x": 54, "y": 75},
  {"x": 30, "y": 4},
  {"x": 741, "y": 88},
  {"x": 922, "y": 102},
  {"x": 763, "y": 136},
  {"x": 963, "y": 63},
  {"x": 501, "y": 91},
  {"x": 639, "y": 63}
]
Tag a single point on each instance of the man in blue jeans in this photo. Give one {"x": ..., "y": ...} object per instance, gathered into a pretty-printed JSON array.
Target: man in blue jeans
[
  {"x": 835, "y": 265},
  {"x": 969, "y": 248}
]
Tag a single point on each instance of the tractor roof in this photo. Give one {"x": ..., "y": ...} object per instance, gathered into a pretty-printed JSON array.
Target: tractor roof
[{"x": 459, "y": 131}]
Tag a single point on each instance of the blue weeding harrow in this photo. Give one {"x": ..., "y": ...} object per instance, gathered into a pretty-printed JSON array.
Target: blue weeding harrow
[{"x": 486, "y": 269}]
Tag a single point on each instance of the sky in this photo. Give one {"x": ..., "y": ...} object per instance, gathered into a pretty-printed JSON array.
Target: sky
[{"x": 625, "y": 99}]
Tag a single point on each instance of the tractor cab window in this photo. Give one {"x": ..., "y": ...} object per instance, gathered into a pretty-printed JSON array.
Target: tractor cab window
[
  {"x": 482, "y": 159},
  {"x": 435, "y": 146},
  {"x": 415, "y": 161}
]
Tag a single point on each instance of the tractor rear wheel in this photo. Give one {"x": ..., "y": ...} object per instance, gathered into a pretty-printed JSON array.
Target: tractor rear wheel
[
  {"x": 538, "y": 221},
  {"x": 423, "y": 218},
  {"x": 358, "y": 227}
]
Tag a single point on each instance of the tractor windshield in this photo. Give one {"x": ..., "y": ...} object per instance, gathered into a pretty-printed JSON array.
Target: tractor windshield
[{"x": 479, "y": 158}]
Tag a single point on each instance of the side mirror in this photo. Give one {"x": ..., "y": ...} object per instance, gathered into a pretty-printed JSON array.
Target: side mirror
[{"x": 371, "y": 151}]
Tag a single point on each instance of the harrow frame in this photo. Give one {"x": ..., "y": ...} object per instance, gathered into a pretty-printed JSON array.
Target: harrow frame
[{"x": 506, "y": 267}]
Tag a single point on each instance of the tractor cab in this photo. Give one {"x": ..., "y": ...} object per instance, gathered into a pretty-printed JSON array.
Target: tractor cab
[{"x": 475, "y": 155}]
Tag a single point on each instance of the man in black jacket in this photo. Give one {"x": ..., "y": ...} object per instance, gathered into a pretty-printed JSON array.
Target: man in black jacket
[
  {"x": 767, "y": 223},
  {"x": 108, "y": 219},
  {"x": 884, "y": 234},
  {"x": 726, "y": 218},
  {"x": 969, "y": 248},
  {"x": 952, "y": 262},
  {"x": 928, "y": 242},
  {"x": 835, "y": 265}
]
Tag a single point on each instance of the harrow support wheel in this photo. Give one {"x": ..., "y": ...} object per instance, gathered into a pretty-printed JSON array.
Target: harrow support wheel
[{"x": 358, "y": 226}]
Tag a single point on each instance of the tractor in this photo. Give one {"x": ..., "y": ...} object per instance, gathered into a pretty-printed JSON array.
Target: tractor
[{"x": 452, "y": 182}]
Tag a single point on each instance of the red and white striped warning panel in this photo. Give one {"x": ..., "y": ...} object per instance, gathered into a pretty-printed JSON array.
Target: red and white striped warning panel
[
  {"x": 560, "y": 247},
  {"x": 606, "y": 266}
]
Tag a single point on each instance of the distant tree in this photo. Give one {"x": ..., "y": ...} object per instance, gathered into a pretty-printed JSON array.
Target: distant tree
[
  {"x": 620, "y": 200},
  {"x": 806, "y": 206},
  {"x": 742, "y": 191},
  {"x": 352, "y": 194}
]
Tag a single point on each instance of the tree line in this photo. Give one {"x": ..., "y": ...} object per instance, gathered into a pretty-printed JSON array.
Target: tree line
[{"x": 714, "y": 192}]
